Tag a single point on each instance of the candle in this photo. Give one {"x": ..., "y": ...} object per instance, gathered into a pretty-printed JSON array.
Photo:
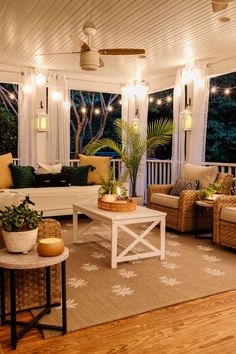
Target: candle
[{"x": 118, "y": 193}]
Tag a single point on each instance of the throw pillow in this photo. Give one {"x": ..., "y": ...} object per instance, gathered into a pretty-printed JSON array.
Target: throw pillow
[
  {"x": 5, "y": 172},
  {"x": 182, "y": 185},
  {"x": 102, "y": 167},
  {"x": 23, "y": 176},
  {"x": 45, "y": 169},
  {"x": 205, "y": 174},
  {"x": 52, "y": 180},
  {"x": 78, "y": 175}
]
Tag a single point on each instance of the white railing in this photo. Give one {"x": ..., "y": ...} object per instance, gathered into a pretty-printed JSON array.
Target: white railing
[
  {"x": 223, "y": 167},
  {"x": 158, "y": 171},
  {"x": 116, "y": 165},
  {"x": 16, "y": 161}
]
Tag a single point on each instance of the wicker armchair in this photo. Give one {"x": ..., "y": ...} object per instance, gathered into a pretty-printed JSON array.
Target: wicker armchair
[
  {"x": 182, "y": 216},
  {"x": 30, "y": 284},
  {"x": 224, "y": 221}
]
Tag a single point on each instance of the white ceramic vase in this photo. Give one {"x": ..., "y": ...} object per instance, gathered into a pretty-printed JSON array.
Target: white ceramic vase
[
  {"x": 20, "y": 241},
  {"x": 109, "y": 198}
]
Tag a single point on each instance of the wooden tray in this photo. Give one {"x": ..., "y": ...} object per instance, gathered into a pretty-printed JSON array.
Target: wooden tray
[{"x": 129, "y": 205}]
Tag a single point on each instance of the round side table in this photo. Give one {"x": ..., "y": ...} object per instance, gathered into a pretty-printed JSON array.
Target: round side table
[
  {"x": 12, "y": 262},
  {"x": 202, "y": 206}
]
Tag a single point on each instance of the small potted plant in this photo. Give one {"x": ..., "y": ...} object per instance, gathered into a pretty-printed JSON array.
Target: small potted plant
[
  {"x": 112, "y": 189},
  {"x": 210, "y": 192},
  {"x": 19, "y": 226}
]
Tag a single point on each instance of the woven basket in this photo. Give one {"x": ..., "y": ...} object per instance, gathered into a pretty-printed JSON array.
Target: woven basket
[{"x": 129, "y": 205}]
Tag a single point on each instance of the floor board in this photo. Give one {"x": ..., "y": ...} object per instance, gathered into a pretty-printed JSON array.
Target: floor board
[{"x": 205, "y": 325}]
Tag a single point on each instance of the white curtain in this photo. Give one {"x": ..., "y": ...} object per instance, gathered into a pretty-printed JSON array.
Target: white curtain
[
  {"x": 27, "y": 143},
  {"x": 200, "y": 113},
  {"x": 178, "y": 138},
  {"x": 58, "y": 119}
]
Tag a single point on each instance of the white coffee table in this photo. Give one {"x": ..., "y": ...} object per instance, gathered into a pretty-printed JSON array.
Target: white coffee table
[{"x": 121, "y": 220}]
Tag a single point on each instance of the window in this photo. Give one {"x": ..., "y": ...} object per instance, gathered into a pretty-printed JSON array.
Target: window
[
  {"x": 161, "y": 106},
  {"x": 8, "y": 118},
  {"x": 92, "y": 117},
  {"x": 221, "y": 125}
]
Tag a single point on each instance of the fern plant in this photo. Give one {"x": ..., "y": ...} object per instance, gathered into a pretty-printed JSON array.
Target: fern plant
[{"x": 133, "y": 144}]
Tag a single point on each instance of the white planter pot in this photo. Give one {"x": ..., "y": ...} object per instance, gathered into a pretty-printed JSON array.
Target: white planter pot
[{"x": 20, "y": 242}]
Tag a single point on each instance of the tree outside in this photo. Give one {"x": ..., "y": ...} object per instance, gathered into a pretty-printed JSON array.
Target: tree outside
[
  {"x": 221, "y": 126},
  {"x": 161, "y": 106},
  {"x": 92, "y": 117},
  {"x": 8, "y": 118}
]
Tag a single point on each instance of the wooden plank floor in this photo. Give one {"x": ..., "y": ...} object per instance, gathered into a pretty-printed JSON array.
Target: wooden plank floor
[{"x": 205, "y": 325}]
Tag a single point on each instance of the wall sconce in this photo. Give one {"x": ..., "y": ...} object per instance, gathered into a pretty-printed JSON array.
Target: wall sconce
[
  {"x": 186, "y": 119},
  {"x": 42, "y": 122}
]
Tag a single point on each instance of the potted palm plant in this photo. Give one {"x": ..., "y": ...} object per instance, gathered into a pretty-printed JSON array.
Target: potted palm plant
[
  {"x": 134, "y": 143},
  {"x": 20, "y": 227}
]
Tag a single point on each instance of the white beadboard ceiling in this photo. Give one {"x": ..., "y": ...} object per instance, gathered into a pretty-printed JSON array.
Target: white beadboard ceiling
[{"x": 173, "y": 32}]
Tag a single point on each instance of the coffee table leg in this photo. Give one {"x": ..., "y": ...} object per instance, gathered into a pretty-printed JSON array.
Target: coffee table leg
[
  {"x": 63, "y": 295},
  {"x": 162, "y": 238},
  {"x": 114, "y": 235},
  {"x": 13, "y": 308},
  {"x": 75, "y": 225}
]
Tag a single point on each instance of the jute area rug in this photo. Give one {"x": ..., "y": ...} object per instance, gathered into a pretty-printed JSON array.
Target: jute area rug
[{"x": 96, "y": 294}]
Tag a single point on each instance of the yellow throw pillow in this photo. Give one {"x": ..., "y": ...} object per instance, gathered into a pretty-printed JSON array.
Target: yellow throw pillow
[
  {"x": 102, "y": 165},
  {"x": 5, "y": 172}
]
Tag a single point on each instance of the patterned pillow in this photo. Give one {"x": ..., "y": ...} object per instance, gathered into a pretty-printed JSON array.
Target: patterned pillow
[
  {"x": 181, "y": 185},
  {"x": 23, "y": 176}
]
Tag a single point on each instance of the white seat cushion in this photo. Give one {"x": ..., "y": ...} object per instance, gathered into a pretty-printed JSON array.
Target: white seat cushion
[
  {"x": 228, "y": 214},
  {"x": 167, "y": 200}
]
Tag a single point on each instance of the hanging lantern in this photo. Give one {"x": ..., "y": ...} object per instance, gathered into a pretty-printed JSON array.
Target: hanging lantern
[
  {"x": 42, "y": 122},
  {"x": 186, "y": 119}
]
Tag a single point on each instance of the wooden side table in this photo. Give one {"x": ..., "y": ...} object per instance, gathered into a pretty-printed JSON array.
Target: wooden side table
[
  {"x": 12, "y": 262},
  {"x": 208, "y": 207}
]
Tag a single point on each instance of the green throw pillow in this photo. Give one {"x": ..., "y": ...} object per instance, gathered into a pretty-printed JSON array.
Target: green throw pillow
[
  {"x": 22, "y": 176},
  {"x": 182, "y": 185},
  {"x": 78, "y": 175}
]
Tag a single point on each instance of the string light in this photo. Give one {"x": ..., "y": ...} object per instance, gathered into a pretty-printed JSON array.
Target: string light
[
  {"x": 110, "y": 108},
  {"x": 83, "y": 110},
  {"x": 151, "y": 99},
  {"x": 213, "y": 89},
  {"x": 159, "y": 101},
  {"x": 227, "y": 91},
  {"x": 120, "y": 102},
  {"x": 168, "y": 99},
  {"x": 12, "y": 96},
  {"x": 96, "y": 111},
  {"x": 56, "y": 96}
]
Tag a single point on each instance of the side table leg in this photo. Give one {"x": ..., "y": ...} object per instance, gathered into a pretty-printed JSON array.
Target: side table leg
[
  {"x": 63, "y": 295},
  {"x": 48, "y": 290},
  {"x": 13, "y": 308},
  {"x": 2, "y": 282}
]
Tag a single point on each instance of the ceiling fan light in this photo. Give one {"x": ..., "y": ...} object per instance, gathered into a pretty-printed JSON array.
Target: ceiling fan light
[{"x": 89, "y": 60}]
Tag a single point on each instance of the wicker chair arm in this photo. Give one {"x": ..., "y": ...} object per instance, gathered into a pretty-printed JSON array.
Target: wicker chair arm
[
  {"x": 158, "y": 188},
  {"x": 224, "y": 201}
]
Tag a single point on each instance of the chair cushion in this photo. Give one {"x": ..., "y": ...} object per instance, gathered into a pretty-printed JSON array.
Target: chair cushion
[
  {"x": 228, "y": 214},
  {"x": 78, "y": 175},
  {"x": 23, "y": 176},
  {"x": 181, "y": 185},
  {"x": 167, "y": 200},
  {"x": 5, "y": 172},
  {"x": 102, "y": 167},
  {"x": 205, "y": 174}
]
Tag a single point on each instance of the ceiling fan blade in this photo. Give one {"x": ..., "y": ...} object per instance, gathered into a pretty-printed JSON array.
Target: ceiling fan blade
[
  {"x": 121, "y": 51},
  {"x": 216, "y": 7},
  {"x": 56, "y": 53},
  {"x": 84, "y": 46},
  {"x": 101, "y": 63}
]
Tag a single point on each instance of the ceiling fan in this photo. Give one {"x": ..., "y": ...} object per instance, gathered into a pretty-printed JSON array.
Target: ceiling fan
[
  {"x": 219, "y": 5},
  {"x": 90, "y": 58}
]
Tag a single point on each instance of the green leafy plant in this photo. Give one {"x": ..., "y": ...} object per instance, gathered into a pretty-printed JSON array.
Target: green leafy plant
[
  {"x": 209, "y": 191},
  {"x": 134, "y": 143},
  {"x": 110, "y": 186},
  {"x": 19, "y": 218}
]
